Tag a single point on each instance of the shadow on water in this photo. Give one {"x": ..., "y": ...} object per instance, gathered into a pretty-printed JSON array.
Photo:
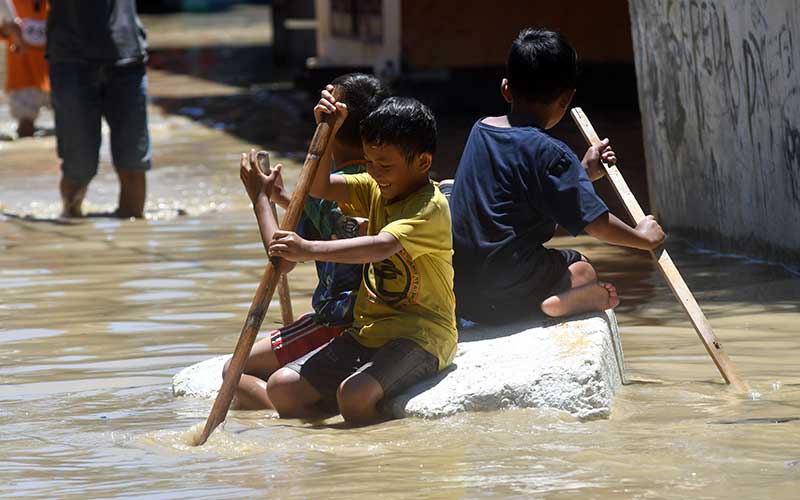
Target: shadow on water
[
  {"x": 278, "y": 120},
  {"x": 231, "y": 65}
]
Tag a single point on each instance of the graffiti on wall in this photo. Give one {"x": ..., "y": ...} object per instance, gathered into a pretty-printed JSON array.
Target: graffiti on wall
[{"x": 719, "y": 89}]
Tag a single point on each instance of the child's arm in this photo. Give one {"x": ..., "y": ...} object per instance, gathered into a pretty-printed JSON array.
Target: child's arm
[
  {"x": 360, "y": 250},
  {"x": 591, "y": 160},
  {"x": 280, "y": 195},
  {"x": 258, "y": 185},
  {"x": 325, "y": 185},
  {"x": 647, "y": 235}
]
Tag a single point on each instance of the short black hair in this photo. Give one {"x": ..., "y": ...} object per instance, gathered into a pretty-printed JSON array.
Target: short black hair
[
  {"x": 541, "y": 65},
  {"x": 403, "y": 122},
  {"x": 362, "y": 93}
]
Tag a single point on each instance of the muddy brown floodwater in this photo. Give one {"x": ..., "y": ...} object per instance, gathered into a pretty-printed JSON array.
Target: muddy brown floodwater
[{"x": 96, "y": 315}]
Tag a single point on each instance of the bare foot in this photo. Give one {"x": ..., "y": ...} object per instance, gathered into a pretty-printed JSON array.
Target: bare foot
[
  {"x": 613, "y": 298},
  {"x": 597, "y": 296},
  {"x": 118, "y": 213}
]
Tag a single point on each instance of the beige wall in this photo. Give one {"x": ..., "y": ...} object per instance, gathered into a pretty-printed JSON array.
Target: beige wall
[
  {"x": 340, "y": 51},
  {"x": 424, "y": 34},
  {"x": 438, "y": 33},
  {"x": 719, "y": 90}
]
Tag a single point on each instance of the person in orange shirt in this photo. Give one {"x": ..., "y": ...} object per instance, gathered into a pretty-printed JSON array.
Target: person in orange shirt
[{"x": 27, "y": 81}]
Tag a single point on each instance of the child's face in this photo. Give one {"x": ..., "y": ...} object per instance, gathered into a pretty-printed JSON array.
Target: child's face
[{"x": 396, "y": 177}]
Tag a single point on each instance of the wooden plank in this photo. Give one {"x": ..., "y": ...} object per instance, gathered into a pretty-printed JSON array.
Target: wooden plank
[{"x": 664, "y": 263}]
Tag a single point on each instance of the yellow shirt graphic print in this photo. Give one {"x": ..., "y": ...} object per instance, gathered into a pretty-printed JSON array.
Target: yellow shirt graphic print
[
  {"x": 410, "y": 294},
  {"x": 394, "y": 280}
]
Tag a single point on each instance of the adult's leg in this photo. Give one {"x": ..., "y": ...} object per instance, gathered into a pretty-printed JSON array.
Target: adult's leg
[
  {"x": 125, "y": 109},
  {"x": 585, "y": 293},
  {"x": 77, "y": 109},
  {"x": 132, "y": 193},
  {"x": 72, "y": 195}
]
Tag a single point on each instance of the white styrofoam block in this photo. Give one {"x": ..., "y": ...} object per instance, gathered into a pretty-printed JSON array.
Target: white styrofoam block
[
  {"x": 575, "y": 366},
  {"x": 201, "y": 380}
]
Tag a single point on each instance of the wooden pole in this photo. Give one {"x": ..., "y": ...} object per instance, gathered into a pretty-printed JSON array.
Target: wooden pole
[
  {"x": 269, "y": 282},
  {"x": 287, "y": 316},
  {"x": 665, "y": 264}
]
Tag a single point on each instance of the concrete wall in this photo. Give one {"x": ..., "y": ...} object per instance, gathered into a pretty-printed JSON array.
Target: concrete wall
[{"x": 719, "y": 90}]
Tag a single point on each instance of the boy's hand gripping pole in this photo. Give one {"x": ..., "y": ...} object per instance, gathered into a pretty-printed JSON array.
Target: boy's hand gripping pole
[
  {"x": 665, "y": 264},
  {"x": 269, "y": 281}
]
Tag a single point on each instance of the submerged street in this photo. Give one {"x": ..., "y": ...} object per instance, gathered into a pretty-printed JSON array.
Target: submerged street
[{"x": 97, "y": 315}]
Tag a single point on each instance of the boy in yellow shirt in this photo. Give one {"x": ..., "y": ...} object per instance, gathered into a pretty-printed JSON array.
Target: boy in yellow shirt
[{"x": 404, "y": 320}]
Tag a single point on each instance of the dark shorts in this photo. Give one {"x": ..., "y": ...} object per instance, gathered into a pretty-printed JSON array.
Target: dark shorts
[
  {"x": 549, "y": 276},
  {"x": 84, "y": 92},
  {"x": 397, "y": 365}
]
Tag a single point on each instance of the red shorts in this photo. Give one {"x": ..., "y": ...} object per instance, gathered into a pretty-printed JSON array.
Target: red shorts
[{"x": 301, "y": 337}]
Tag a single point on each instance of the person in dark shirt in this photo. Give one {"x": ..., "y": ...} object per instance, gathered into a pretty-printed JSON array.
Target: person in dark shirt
[
  {"x": 96, "y": 50},
  {"x": 515, "y": 184}
]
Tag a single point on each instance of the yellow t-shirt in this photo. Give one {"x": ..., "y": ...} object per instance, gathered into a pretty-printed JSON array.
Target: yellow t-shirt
[{"x": 410, "y": 294}]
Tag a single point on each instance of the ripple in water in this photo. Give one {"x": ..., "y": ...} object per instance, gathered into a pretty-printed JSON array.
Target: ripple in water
[
  {"x": 156, "y": 296},
  {"x": 27, "y": 334}
]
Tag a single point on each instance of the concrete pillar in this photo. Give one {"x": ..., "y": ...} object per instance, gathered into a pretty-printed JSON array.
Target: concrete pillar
[{"x": 719, "y": 90}]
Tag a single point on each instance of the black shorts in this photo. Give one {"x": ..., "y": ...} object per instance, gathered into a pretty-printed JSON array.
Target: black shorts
[
  {"x": 550, "y": 276},
  {"x": 397, "y": 365},
  {"x": 85, "y": 92}
]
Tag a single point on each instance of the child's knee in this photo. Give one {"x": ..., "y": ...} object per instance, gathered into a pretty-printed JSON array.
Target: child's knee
[
  {"x": 226, "y": 367},
  {"x": 357, "y": 397},
  {"x": 280, "y": 387}
]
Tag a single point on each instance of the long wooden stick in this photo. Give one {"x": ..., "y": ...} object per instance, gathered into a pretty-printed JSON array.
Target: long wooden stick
[
  {"x": 287, "y": 316},
  {"x": 266, "y": 288},
  {"x": 665, "y": 264}
]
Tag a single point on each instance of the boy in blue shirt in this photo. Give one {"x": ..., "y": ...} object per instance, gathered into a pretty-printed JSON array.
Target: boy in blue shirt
[
  {"x": 335, "y": 295},
  {"x": 515, "y": 184}
]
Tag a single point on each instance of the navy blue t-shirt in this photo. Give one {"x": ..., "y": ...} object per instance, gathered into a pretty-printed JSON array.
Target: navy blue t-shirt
[{"x": 512, "y": 188}]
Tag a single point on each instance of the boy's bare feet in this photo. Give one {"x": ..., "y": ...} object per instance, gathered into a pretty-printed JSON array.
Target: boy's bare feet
[
  {"x": 597, "y": 296},
  {"x": 72, "y": 194}
]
